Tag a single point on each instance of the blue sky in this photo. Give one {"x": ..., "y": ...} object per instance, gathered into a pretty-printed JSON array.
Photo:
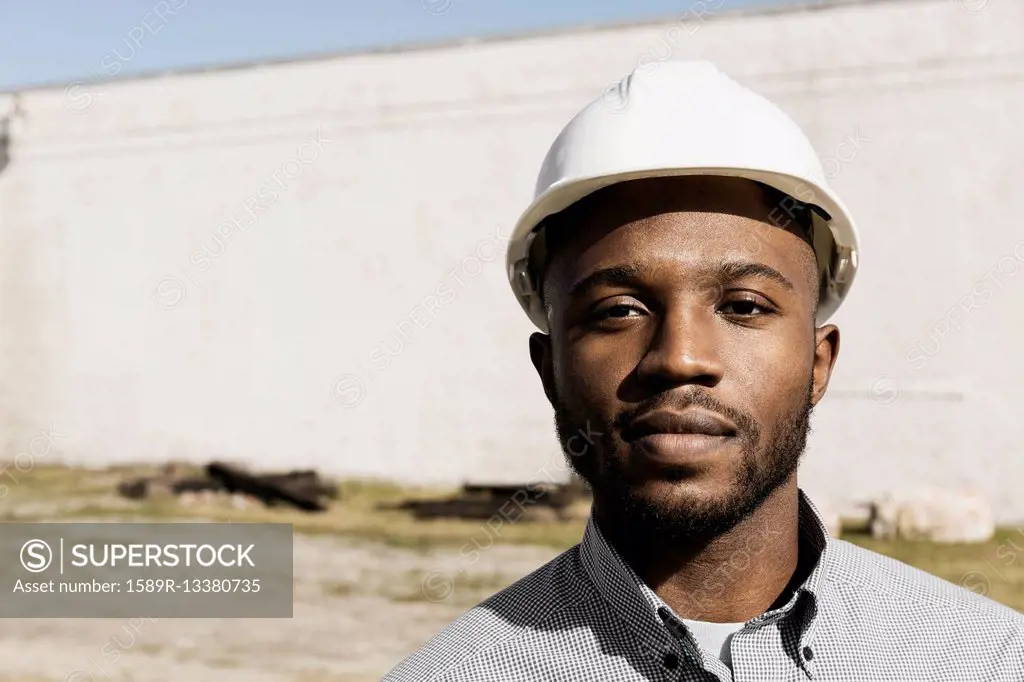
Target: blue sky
[{"x": 58, "y": 41}]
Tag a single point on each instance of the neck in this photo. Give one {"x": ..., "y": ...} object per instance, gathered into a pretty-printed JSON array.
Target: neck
[{"x": 730, "y": 578}]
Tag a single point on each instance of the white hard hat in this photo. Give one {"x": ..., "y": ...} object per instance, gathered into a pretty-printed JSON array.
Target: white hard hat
[{"x": 682, "y": 118}]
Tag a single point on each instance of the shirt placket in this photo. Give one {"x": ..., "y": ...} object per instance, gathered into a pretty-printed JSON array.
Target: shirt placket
[
  {"x": 701, "y": 667},
  {"x": 808, "y": 625},
  {"x": 795, "y": 622}
]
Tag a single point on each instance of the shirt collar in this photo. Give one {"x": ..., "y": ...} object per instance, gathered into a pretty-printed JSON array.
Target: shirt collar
[{"x": 646, "y": 612}]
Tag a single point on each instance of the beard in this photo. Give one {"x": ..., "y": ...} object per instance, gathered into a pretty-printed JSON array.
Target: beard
[{"x": 764, "y": 466}]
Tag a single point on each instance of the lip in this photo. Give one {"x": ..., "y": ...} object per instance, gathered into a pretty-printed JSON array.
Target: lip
[
  {"x": 680, "y": 437},
  {"x": 690, "y": 422}
]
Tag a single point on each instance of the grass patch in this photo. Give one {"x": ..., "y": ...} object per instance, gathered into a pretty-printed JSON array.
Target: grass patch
[
  {"x": 995, "y": 568},
  {"x": 360, "y": 511}
]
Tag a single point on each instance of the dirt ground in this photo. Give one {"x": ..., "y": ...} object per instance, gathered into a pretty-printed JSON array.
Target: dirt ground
[{"x": 360, "y": 607}]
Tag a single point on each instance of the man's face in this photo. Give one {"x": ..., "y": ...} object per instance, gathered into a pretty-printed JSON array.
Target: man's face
[{"x": 682, "y": 331}]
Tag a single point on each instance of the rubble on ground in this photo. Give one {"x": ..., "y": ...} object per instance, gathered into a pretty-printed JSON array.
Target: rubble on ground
[
  {"x": 945, "y": 516},
  {"x": 302, "y": 489},
  {"x": 529, "y": 502}
]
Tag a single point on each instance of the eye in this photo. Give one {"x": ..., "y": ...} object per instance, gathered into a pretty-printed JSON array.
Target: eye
[
  {"x": 747, "y": 306},
  {"x": 618, "y": 309}
]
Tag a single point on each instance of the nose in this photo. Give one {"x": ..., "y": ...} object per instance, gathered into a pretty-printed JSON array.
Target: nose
[{"x": 685, "y": 349}]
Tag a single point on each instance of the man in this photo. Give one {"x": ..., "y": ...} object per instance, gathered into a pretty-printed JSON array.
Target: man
[{"x": 681, "y": 258}]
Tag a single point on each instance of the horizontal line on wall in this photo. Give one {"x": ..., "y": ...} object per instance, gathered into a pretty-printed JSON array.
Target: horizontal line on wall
[
  {"x": 922, "y": 394},
  {"x": 142, "y": 145}
]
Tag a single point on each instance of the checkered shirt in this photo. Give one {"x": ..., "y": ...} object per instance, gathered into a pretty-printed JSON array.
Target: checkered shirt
[{"x": 859, "y": 617}]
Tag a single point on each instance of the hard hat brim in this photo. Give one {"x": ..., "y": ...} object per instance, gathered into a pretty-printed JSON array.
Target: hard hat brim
[{"x": 836, "y": 248}]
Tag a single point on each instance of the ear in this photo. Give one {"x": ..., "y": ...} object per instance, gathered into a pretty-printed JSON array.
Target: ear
[
  {"x": 540, "y": 354},
  {"x": 826, "y": 350}
]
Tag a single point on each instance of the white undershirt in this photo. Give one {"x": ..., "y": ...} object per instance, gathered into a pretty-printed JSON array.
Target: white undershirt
[{"x": 714, "y": 638}]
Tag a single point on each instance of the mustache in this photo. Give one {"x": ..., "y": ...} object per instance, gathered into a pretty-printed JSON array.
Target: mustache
[{"x": 690, "y": 397}]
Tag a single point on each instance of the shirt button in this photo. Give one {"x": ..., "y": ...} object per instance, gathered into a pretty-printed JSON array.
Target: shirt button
[
  {"x": 808, "y": 654},
  {"x": 671, "y": 661}
]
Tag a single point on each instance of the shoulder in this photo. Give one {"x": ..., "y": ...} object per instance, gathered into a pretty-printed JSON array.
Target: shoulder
[
  {"x": 485, "y": 637},
  {"x": 880, "y": 611},
  {"x": 895, "y": 590}
]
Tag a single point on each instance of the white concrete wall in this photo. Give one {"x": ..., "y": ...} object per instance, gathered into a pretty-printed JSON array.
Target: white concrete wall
[{"x": 123, "y": 333}]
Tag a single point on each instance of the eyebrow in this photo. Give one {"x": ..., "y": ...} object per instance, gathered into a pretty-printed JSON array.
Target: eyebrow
[
  {"x": 626, "y": 275},
  {"x": 732, "y": 270},
  {"x": 618, "y": 275}
]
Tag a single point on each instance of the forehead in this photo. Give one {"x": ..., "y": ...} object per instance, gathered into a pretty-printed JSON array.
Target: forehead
[{"x": 686, "y": 221}]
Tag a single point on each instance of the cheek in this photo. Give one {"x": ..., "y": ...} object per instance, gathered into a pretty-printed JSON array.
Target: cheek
[
  {"x": 594, "y": 372},
  {"x": 765, "y": 358},
  {"x": 768, "y": 375}
]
